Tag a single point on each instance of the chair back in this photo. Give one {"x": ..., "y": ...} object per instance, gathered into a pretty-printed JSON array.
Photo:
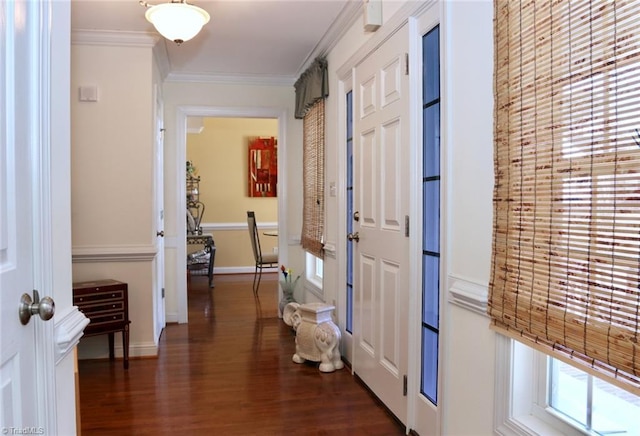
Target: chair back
[{"x": 253, "y": 233}]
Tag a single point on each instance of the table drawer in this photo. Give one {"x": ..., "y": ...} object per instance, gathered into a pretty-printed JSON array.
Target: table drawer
[
  {"x": 91, "y": 310},
  {"x": 106, "y": 318},
  {"x": 88, "y": 298}
]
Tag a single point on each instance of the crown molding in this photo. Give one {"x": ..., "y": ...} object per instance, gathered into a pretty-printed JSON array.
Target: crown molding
[
  {"x": 114, "y": 38},
  {"x": 351, "y": 11},
  {"x": 231, "y": 79},
  {"x": 126, "y": 39}
]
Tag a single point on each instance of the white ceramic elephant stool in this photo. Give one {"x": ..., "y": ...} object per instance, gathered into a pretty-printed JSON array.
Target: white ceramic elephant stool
[{"x": 317, "y": 337}]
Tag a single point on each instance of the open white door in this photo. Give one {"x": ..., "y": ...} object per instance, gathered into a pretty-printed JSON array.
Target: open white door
[
  {"x": 381, "y": 199},
  {"x": 158, "y": 292},
  {"x": 36, "y": 364},
  {"x": 22, "y": 373}
]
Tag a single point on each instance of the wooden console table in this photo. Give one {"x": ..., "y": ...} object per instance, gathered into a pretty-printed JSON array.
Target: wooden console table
[{"x": 106, "y": 304}]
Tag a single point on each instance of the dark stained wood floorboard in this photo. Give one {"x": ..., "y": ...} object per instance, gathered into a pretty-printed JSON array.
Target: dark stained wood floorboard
[{"x": 227, "y": 372}]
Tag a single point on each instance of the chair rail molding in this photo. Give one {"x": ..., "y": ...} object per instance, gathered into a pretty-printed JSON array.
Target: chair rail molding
[
  {"x": 468, "y": 294},
  {"x": 236, "y": 226},
  {"x": 68, "y": 330},
  {"x": 114, "y": 253}
]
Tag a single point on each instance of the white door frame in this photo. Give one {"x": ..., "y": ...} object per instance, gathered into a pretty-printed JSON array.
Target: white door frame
[{"x": 182, "y": 113}]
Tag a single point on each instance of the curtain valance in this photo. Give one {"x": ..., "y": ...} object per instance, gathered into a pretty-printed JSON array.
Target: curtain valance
[{"x": 312, "y": 85}]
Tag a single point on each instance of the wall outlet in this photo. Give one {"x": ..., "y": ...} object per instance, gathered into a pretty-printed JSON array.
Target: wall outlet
[{"x": 275, "y": 250}]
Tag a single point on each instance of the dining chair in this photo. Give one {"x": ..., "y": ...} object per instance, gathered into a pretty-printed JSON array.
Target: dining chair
[{"x": 268, "y": 260}]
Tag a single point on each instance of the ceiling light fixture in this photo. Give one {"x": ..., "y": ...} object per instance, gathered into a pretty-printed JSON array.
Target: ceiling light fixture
[{"x": 177, "y": 20}]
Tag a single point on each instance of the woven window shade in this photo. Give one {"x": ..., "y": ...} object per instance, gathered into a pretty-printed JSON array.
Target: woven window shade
[
  {"x": 313, "y": 179},
  {"x": 566, "y": 247}
]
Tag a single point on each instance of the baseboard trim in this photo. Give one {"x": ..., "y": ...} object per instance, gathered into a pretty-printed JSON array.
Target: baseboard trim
[
  {"x": 101, "y": 351},
  {"x": 240, "y": 270}
]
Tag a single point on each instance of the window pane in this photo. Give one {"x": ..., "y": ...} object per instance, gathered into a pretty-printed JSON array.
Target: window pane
[
  {"x": 615, "y": 411},
  {"x": 429, "y": 364},
  {"x": 431, "y": 65},
  {"x": 430, "y": 293},
  {"x": 431, "y": 228},
  {"x": 569, "y": 391},
  {"x": 431, "y": 138},
  {"x": 349, "y": 326},
  {"x": 592, "y": 403},
  {"x": 319, "y": 267}
]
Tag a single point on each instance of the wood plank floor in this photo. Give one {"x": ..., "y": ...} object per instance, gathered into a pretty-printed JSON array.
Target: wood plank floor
[{"x": 227, "y": 372}]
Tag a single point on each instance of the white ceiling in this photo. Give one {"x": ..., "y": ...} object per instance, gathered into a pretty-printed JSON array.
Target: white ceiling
[{"x": 257, "y": 39}]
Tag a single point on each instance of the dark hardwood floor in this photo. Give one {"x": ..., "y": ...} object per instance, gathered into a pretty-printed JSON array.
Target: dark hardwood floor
[{"x": 227, "y": 372}]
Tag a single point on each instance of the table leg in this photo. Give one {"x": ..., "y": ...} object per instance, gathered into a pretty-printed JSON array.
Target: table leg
[
  {"x": 212, "y": 256},
  {"x": 125, "y": 346},
  {"x": 112, "y": 354}
]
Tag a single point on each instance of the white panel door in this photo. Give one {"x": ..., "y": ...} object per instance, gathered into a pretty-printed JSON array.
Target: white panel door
[
  {"x": 381, "y": 196},
  {"x": 25, "y": 369},
  {"x": 158, "y": 293}
]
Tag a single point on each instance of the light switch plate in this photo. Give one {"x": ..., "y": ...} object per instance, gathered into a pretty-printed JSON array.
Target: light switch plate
[
  {"x": 89, "y": 93},
  {"x": 332, "y": 189}
]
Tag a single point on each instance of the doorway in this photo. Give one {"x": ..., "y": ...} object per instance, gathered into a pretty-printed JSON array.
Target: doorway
[
  {"x": 176, "y": 250},
  {"x": 221, "y": 159}
]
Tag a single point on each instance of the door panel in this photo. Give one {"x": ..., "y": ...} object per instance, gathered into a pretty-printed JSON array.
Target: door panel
[
  {"x": 392, "y": 176},
  {"x": 366, "y": 152},
  {"x": 367, "y": 306},
  {"x": 389, "y": 318},
  {"x": 381, "y": 186}
]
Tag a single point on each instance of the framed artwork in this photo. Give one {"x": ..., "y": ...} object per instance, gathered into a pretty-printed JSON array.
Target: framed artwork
[{"x": 263, "y": 167}]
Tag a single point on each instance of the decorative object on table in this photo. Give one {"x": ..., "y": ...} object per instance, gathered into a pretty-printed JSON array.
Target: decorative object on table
[
  {"x": 195, "y": 208},
  {"x": 263, "y": 167},
  {"x": 288, "y": 285},
  {"x": 317, "y": 336}
]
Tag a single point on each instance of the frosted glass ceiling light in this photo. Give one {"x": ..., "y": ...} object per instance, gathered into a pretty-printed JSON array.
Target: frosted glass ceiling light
[{"x": 177, "y": 20}]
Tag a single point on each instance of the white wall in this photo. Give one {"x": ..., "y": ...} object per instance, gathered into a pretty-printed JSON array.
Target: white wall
[
  {"x": 469, "y": 361},
  {"x": 113, "y": 226},
  {"x": 229, "y": 99}
]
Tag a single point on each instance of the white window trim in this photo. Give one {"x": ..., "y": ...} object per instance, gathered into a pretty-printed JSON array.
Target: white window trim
[{"x": 521, "y": 386}]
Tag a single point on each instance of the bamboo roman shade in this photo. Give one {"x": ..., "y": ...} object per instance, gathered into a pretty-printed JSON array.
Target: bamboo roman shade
[
  {"x": 566, "y": 245},
  {"x": 313, "y": 179}
]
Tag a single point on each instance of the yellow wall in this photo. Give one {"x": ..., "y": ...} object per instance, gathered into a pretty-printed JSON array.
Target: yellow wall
[{"x": 219, "y": 153}]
